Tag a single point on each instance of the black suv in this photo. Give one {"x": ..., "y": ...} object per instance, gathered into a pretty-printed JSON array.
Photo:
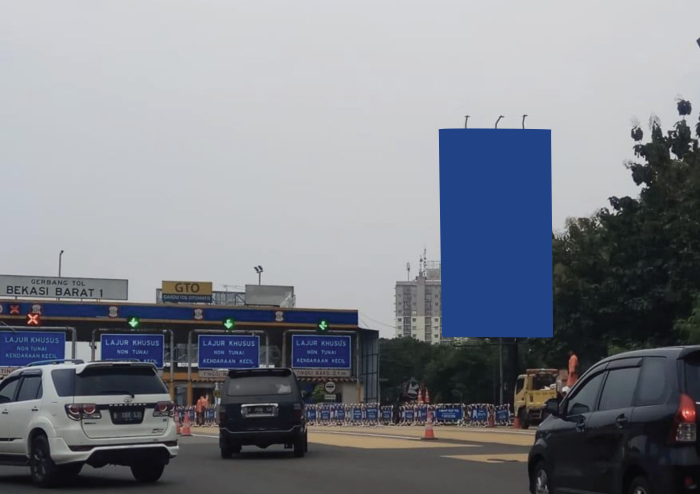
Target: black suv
[
  {"x": 629, "y": 426},
  {"x": 262, "y": 407}
]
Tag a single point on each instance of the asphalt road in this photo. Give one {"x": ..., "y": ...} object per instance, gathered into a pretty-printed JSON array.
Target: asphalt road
[{"x": 341, "y": 462}]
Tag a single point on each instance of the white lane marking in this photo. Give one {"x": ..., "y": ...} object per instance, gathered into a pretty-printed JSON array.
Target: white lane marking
[{"x": 387, "y": 436}]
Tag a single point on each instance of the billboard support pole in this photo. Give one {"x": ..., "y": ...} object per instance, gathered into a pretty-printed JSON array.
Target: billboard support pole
[
  {"x": 357, "y": 365},
  {"x": 71, "y": 330}
]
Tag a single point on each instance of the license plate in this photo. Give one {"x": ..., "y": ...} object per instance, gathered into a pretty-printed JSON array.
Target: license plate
[
  {"x": 127, "y": 416},
  {"x": 260, "y": 411}
]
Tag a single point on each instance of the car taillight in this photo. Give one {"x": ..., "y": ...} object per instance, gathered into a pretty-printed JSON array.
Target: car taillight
[
  {"x": 78, "y": 411},
  {"x": 164, "y": 409},
  {"x": 298, "y": 410},
  {"x": 685, "y": 429},
  {"x": 222, "y": 416}
]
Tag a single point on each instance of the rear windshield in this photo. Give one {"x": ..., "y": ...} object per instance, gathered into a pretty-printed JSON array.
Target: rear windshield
[
  {"x": 260, "y": 385},
  {"x": 692, "y": 376},
  {"x": 105, "y": 381},
  {"x": 542, "y": 381}
]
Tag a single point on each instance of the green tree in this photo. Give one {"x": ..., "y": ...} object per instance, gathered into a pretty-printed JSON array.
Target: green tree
[
  {"x": 628, "y": 276},
  {"x": 400, "y": 360}
]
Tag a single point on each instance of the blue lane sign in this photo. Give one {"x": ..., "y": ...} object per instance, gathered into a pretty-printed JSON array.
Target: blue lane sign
[
  {"x": 144, "y": 347},
  {"x": 321, "y": 352},
  {"x": 228, "y": 352},
  {"x": 24, "y": 347}
]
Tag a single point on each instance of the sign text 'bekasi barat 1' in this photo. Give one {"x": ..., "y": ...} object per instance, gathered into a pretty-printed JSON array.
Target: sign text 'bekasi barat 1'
[
  {"x": 21, "y": 348},
  {"x": 144, "y": 347},
  {"x": 321, "y": 352},
  {"x": 228, "y": 352},
  {"x": 187, "y": 291},
  {"x": 72, "y": 288}
]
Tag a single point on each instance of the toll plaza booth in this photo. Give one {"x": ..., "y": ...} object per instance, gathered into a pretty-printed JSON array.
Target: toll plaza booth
[{"x": 193, "y": 346}]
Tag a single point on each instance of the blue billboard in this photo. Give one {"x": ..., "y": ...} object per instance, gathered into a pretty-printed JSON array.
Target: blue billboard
[
  {"x": 321, "y": 352},
  {"x": 21, "y": 348},
  {"x": 477, "y": 250},
  {"x": 228, "y": 352},
  {"x": 144, "y": 347}
]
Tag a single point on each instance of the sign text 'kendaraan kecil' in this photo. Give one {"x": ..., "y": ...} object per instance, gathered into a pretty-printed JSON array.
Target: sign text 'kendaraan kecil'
[
  {"x": 321, "y": 352},
  {"x": 148, "y": 348},
  {"x": 21, "y": 348},
  {"x": 228, "y": 352}
]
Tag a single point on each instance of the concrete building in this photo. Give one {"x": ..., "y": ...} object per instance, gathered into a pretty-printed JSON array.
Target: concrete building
[{"x": 418, "y": 304}]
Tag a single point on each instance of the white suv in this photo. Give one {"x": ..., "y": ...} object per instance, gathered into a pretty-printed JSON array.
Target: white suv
[{"x": 58, "y": 416}]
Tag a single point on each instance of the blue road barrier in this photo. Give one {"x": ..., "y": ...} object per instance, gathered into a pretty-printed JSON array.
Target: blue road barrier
[{"x": 373, "y": 415}]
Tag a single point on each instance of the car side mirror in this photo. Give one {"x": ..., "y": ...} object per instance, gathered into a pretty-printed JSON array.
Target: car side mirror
[{"x": 551, "y": 407}]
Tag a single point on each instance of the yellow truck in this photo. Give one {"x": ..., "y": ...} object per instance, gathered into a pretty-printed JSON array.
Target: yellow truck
[{"x": 532, "y": 390}]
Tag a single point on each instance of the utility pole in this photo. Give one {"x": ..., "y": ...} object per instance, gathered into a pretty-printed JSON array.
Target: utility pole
[{"x": 60, "y": 256}]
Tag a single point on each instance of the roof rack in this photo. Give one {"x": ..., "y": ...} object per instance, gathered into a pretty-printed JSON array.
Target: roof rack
[
  {"x": 56, "y": 362},
  {"x": 135, "y": 360}
]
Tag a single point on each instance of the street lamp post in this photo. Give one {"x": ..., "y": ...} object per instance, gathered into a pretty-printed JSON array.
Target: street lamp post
[
  {"x": 60, "y": 259},
  {"x": 259, "y": 270}
]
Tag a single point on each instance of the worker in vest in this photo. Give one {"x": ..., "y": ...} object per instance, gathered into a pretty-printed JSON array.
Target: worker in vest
[
  {"x": 573, "y": 369},
  {"x": 202, "y": 405}
]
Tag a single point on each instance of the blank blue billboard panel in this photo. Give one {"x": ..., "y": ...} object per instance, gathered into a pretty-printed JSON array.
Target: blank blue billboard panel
[
  {"x": 495, "y": 231},
  {"x": 21, "y": 348},
  {"x": 228, "y": 352},
  {"x": 321, "y": 352},
  {"x": 144, "y": 347}
]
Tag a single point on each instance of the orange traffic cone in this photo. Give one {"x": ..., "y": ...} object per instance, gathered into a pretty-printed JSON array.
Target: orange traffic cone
[
  {"x": 429, "y": 434},
  {"x": 177, "y": 423},
  {"x": 186, "y": 426},
  {"x": 516, "y": 423},
  {"x": 492, "y": 422}
]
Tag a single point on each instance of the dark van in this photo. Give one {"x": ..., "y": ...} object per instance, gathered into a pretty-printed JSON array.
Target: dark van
[
  {"x": 262, "y": 407},
  {"x": 629, "y": 426}
]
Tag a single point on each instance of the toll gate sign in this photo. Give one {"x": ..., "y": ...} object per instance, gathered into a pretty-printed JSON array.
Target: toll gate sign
[
  {"x": 228, "y": 352},
  {"x": 21, "y": 348},
  {"x": 143, "y": 347},
  {"x": 321, "y": 352}
]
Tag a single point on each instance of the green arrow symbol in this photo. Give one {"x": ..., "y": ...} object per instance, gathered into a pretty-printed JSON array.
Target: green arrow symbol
[
  {"x": 323, "y": 325},
  {"x": 229, "y": 324}
]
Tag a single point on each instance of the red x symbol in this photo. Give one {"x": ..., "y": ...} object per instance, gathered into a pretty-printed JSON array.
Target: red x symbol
[
  {"x": 33, "y": 320},
  {"x": 14, "y": 310}
]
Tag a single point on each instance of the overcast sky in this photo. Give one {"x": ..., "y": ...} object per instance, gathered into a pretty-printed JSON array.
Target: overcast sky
[{"x": 187, "y": 140}]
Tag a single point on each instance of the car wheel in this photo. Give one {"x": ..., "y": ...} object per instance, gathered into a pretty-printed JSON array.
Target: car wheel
[
  {"x": 639, "y": 485},
  {"x": 226, "y": 453},
  {"x": 147, "y": 473},
  {"x": 299, "y": 447},
  {"x": 70, "y": 471},
  {"x": 43, "y": 469},
  {"x": 524, "y": 421},
  {"x": 540, "y": 480}
]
